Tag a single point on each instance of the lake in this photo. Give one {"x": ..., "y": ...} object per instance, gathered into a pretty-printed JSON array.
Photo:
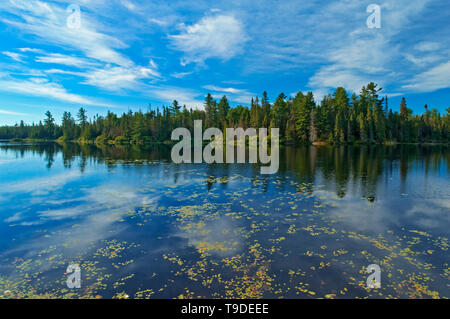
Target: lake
[{"x": 140, "y": 226}]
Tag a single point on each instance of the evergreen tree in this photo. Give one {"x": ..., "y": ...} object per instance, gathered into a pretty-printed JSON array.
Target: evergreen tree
[
  {"x": 209, "y": 110},
  {"x": 363, "y": 118},
  {"x": 265, "y": 110},
  {"x": 68, "y": 126},
  {"x": 303, "y": 106},
  {"x": 223, "y": 109},
  {"x": 49, "y": 125},
  {"x": 254, "y": 113},
  {"x": 279, "y": 113}
]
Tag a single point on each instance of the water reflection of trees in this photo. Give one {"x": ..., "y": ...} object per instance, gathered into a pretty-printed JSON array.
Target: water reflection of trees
[
  {"x": 359, "y": 168},
  {"x": 88, "y": 153},
  {"x": 363, "y": 167}
]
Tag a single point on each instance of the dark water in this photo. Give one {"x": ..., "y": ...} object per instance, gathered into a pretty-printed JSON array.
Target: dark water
[{"x": 142, "y": 227}]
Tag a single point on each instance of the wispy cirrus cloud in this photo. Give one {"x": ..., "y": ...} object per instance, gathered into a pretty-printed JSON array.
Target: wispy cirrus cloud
[
  {"x": 99, "y": 61},
  {"x": 438, "y": 77},
  {"x": 33, "y": 50},
  {"x": 128, "y": 4},
  {"x": 223, "y": 89},
  {"x": 362, "y": 54},
  {"x": 67, "y": 60},
  {"x": 185, "y": 96},
  {"x": 5, "y": 112},
  {"x": 41, "y": 87},
  {"x": 333, "y": 44},
  {"x": 49, "y": 23},
  {"x": 180, "y": 75},
  {"x": 13, "y": 55},
  {"x": 265, "y": 45}
]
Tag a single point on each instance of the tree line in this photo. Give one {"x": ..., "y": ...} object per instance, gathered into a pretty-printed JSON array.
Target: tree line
[{"x": 339, "y": 118}]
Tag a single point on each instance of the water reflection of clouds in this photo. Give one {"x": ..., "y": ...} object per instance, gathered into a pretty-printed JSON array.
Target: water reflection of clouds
[
  {"x": 41, "y": 185},
  {"x": 2, "y": 161},
  {"x": 32, "y": 191},
  {"x": 14, "y": 218},
  {"x": 96, "y": 218},
  {"x": 114, "y": 200},
  {"x": 384, "y": 214},
  {"x": 220, "y": 237},
  {"x": 430, "y": 214}
]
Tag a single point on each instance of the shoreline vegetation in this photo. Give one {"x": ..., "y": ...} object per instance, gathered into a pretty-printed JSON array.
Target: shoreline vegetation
[
  {"x": 338, "y": 119},
  {"x": 111, "y": 142}
]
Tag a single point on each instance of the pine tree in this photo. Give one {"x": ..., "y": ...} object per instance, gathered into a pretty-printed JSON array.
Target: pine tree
[
  {"x": 254, "y": 113},
  {"x": 303, "y": 105},
  {"x": 49, "y": 125},
  {"x": 350, "y": 135},
  {"x": 82, "y": 118},
  {"x": 209, "y": 110},
  {"x": 68, "y": 125},
  {"x": 313, "y": 133},
  {"x": 363, "y": 128},
  {"x": 370, "y": 125},
  {"x": 223, "y": 109},
  {"x": 279, "y": 113},
  {"x": 265, "y": 110},
  {"x": 404, "y": 130}
]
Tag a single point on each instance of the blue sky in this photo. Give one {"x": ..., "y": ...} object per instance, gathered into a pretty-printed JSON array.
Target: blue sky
[{"x": 129, "y": 53}]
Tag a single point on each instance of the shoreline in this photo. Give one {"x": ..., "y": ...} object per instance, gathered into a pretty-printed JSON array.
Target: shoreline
[{"x": 112, "y": 143}]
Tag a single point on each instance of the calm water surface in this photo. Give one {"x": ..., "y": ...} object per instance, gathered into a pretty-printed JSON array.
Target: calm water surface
[{"x": 142, "y": 227}]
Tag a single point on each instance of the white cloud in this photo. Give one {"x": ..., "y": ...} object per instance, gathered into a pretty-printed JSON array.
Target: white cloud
[
  {"x": 423, "y": 60},
  {"x": 427, "y": 46},
  {"x": 68, "y": 60},
  {"x": 335, "y": 76},
  {"x": 33, "y": 50},
  {"x": 117, "y": 78},
  {"x": 58, "y": 71},
  {"x": 38, "y": 8},
  {"x": 42, "y": 88},
  {"x": 182, "y": 95},
  {"x": 180, "y": 75},
  {"x": 362, "y": 55},
  {"x": 433, "y": 79},
  {"x": 5, "y": 112},
  {"x": 128, "y": 4},
  {"x": 221, "y": 89},
  {"x": 48, "y": 22},
  {"x": 15, "y": 56},
  {"x": 326, "y": 41},
  {"x": 220, "y": 36},
  {"x": 97, "y": 54},
  {"x": 159, "y": 22},
  {"x": 331, "y": 41}
]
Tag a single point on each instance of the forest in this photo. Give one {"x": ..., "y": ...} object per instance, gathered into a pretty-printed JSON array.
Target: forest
[{"x": 338, "y": 119}]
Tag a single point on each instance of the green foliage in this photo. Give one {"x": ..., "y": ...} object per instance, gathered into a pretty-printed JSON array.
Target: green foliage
[
  {"x": 223, "y": 109},
  {"x": 337, "y": 119},
  {"x": 303, "y": 106}
]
